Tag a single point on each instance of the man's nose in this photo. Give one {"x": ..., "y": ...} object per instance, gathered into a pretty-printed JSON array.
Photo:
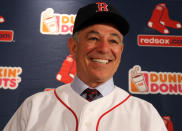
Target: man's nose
[{"x": 103, "y": 46}]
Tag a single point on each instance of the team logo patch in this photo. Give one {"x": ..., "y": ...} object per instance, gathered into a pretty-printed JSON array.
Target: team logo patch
[
  {"x": 168, "y": 122},
  {"x": 6, "y": 35},
  {"x": 161, "y": 22},
  {"x": 2, "y": 20},
  {"x": 102, "y": 6},
  {"x": 160, "y": 40},
  {"x": 67, "y": 71}
]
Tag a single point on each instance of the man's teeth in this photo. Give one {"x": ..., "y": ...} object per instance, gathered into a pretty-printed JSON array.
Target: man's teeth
[{"x": 101, "y": 61}]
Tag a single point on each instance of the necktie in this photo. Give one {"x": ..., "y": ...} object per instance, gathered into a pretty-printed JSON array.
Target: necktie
[{"x": 91, "y": 94}]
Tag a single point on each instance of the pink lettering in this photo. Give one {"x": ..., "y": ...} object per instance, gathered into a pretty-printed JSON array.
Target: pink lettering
[{"x": 154, "y": 88}]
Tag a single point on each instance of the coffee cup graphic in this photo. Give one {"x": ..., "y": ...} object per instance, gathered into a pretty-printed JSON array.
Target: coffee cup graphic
[
  {"x": 51, "y": 24},
  {"x": 138, "y": 79}
]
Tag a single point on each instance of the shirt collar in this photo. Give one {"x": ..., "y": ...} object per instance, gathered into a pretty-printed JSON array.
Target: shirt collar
[{"x": 79, "y": 86}]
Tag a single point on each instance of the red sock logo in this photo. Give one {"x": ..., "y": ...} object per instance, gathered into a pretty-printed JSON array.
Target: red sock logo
[
  {"x": 2, "y": 20},
  {"x": 67, "y": 70},
  {"x": 160, "y": 20},
  {"x": 168, "y": 123}
]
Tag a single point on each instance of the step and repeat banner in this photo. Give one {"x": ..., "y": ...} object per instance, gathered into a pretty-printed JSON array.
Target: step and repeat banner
[{"x": 34, "y": 56}]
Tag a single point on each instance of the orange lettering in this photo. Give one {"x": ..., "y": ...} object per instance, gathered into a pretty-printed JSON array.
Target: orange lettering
[
  {"x": 154, "y": 77},
  {"x": 163, "y": 77},
  {"x": 65, "y": 19},
  {"x": 72, "y": 19},
  {"x": 172, "y": 77},
  {"x": 1, "y": 74},
  {"x": 12, "y": 72},
  {"x": 5, "y": 72},
  {"x": 179, "y": 78}
]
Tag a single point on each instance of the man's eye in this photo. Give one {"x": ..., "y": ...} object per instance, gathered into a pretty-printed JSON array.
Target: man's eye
[
  {"x": 93, "y": 38},
  {"x": 114, "y": 42}
]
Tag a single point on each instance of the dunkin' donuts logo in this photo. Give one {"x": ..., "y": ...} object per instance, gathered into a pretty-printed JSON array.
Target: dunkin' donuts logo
[
  {"x": 53, "y": 24},
  {"x": 10, "y": 77},
  {"x": 161, "y": 22},
  {"x": 144, "y": 82}
]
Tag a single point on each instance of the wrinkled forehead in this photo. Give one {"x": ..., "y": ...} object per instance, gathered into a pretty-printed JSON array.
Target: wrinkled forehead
[
  {"x": 103, "y": 34},
  {"x": 100, "y": 29}
]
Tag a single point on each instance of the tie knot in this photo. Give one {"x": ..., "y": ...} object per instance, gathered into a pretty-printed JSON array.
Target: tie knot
[
  {"x": 91, "y": 94},
  {"x": 91, "y": 91}
]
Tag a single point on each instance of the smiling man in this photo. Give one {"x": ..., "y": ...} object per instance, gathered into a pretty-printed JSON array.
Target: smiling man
[
  {"x": 91, "y": 102},
  {"x": 97, "y": 52}
]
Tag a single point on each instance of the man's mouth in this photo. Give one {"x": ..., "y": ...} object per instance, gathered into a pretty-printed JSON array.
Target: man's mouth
[{"x": 101, "y": 61}]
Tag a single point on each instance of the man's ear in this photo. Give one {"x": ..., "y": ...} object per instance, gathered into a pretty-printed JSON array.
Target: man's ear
[
  {"x": 122, "y": 47},
  {"x": 72, "y": 47}
]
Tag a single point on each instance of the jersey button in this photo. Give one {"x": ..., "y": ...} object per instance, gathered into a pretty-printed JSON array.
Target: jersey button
[{"x": 88, "y": 124}]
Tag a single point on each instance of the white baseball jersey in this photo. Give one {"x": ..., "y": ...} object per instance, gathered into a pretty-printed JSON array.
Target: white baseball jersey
[{"x": 65, "y": 110}]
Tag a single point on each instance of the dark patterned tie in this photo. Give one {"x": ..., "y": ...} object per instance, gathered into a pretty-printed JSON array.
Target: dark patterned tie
[{"x": 91, "y": 94}]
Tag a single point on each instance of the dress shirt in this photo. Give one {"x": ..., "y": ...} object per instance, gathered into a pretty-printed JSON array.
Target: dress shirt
[{"x": 105, "y": 88}]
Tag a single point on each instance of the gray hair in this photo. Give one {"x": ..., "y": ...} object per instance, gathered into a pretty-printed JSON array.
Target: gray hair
[{"x": 75, "y": 37}]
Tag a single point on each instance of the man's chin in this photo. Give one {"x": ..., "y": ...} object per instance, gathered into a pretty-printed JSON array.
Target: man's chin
[{"x": 101, "y": 78}]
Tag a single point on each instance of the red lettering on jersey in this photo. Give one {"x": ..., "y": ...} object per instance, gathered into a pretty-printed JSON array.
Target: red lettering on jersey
[{"x": 102, "y": 6}]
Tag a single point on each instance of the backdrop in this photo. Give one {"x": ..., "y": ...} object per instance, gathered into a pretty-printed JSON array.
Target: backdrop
[{"x": 34, "y": 56}]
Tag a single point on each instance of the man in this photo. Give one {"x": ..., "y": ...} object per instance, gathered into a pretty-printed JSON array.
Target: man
[{"x": 96, "y": 45}]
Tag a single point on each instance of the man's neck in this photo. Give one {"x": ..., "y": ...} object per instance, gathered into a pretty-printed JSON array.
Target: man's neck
[
  {"x": 79, "y": 86},
  {"x": 93, "y": 83}
]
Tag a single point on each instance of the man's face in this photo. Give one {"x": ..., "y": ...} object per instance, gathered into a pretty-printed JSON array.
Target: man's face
[{"x": 97, "y": 53}]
